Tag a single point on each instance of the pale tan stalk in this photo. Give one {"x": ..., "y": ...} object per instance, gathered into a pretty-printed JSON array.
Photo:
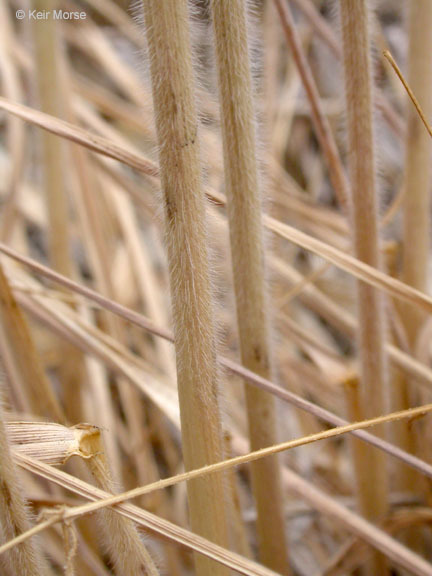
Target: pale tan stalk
[
  {"x": 48, "y": 78},
  {"x": 238, "y": 531},
  {"x": 50, "y": 96},
  {"x": 183, "y": 199},
  {"x": 27, "y": 559},
  {"x": 55, "y": 444},
  {"x": 417, "y": 195},
  {"x": 371, "y": 335},
  {"x": 360, "y": 451},
  {"x": 247, "y": 250}
]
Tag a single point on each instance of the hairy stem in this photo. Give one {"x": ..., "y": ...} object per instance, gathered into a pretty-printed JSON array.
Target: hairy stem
[
  {"x": 244, "y": 211},
  {"x": 127, "y": 551},
  {"x": 197, "y": 373},
  {"x": 25, "y": 559}
]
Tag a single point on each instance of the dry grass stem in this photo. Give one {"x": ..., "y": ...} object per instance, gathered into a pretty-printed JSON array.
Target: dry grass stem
[
  {"x": 127, "y": 551},
  {"x": 247, "y": 251},
  {"x": 358, "y": 94},
  {"x": 240, "y": 385},
  {"x": 183, "y": 200}
]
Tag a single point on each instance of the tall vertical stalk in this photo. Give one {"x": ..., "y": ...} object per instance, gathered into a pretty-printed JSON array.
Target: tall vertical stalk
[
  {"x": 49, "y": 95},
  {"x": 244, "y": 211},
  {"x": 417, "y": 160},
  {"x": 371, "y": 336},
  {"x": 48, "y": 78},
  {"x": 416, "y": 223},
  {"x": 417, "y": 185},
  {"x": 177, "y": 130}
]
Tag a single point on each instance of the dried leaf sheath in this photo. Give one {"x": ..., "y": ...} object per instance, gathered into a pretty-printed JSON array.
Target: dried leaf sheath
[
  {"x": 183, "y": 199},
  {"x": 47, "y": 441}
]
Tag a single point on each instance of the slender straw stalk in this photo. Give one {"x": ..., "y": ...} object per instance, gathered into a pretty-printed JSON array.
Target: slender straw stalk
[
  {"x": 416, "y": 226},
  {"x": 417, "y": 160},
  {"x": 26, "y": 559},
  {"x": 358, "y": 92},
  {"x": 48, "y": 78},
  {"x": 417, "y": 195},
  {"x": 47, "y": 62},
  {"x": 360, "y": 451},
  {"x": 244, "y": 211},
  {"x": 197, "y": 373}
]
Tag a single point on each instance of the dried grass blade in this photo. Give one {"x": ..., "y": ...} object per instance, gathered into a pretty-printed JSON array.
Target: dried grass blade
[{"x": 79, "y": 136}]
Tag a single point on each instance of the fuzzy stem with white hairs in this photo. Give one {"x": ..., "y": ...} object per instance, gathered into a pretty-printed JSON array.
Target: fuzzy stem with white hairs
[
  {"x": 247, "y": 249},
  {"x": 26, "y": 559},
  {"x": 172, "y": 77},
  {"x": 371, "y": 334},
  {"x": 127, "y": 551}
]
